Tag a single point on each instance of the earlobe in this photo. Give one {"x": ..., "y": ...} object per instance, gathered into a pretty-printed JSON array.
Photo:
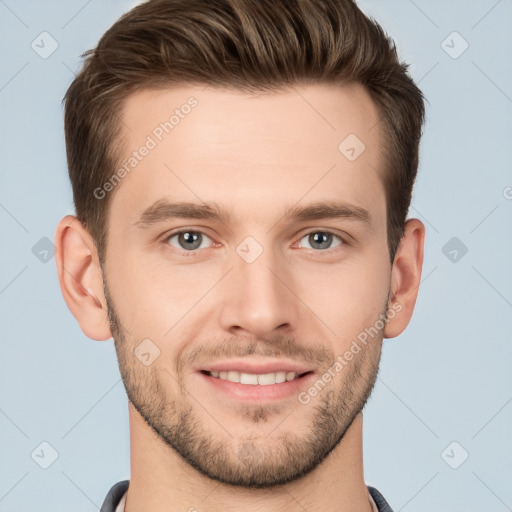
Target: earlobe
[
  {"x": 405, "y": 278},
  {"x": 80, "y": 278}
]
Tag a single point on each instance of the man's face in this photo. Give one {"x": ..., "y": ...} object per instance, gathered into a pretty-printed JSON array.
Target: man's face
[{"x": 258, "y": 287}]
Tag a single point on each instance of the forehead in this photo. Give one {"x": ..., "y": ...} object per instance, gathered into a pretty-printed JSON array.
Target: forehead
[{"x": 259, "y": 153}]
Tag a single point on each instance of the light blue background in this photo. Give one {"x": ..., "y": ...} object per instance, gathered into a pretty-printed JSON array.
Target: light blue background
[{"x": 446, "y": 378}]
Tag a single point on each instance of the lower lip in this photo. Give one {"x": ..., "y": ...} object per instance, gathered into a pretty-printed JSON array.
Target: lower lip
[{"x": 257, "y": 392}]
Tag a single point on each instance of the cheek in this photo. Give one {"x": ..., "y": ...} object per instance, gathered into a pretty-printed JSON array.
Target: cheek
[
  {"x": 143, "y": 296},
  {"x": 350, "y": 296}
]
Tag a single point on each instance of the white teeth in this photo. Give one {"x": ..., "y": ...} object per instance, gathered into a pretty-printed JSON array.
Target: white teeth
[
  {"x": 266, "y": 379},
  {"x": 246, "y": 378},
  {"x": 280, "y": 377},
  {"x": 233, "y": 376},
  {"x": 252, "y": 379}
]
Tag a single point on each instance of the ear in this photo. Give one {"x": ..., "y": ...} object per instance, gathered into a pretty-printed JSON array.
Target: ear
[
  {"x": 405, "y": 277},
  {"x": 80, "y": 277}
]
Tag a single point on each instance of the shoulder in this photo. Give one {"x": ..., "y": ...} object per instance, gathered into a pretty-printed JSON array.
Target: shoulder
[
  {"x": 380, "y": 501},
  {"x": 114, "y": 496}
]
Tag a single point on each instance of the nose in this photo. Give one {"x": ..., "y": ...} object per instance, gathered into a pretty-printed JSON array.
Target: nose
[{"x": 258, "y": 297}]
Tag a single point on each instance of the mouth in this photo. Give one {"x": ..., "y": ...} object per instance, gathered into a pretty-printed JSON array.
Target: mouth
[
  {"x": 253, "y": 379},
  {"x": 255, "y": 388}
]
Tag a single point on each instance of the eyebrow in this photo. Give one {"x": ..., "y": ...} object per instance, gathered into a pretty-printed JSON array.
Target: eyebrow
[{"x": 163, "y": 210}]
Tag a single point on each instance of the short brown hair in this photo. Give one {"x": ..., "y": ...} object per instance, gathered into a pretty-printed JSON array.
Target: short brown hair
[{"x": 251, "y": 45}]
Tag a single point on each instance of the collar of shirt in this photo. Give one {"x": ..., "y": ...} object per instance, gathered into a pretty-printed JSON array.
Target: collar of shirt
[{"x": 120, "y": 506}]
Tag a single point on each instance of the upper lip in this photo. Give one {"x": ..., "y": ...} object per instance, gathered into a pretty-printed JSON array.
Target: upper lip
[{"x": 259, "y": 368}]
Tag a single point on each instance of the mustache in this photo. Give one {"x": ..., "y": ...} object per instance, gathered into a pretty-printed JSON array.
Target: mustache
[{"x": 278, "y": 347}]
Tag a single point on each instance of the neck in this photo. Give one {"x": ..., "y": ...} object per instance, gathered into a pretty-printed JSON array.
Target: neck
[{"x": 161, "y": 481}]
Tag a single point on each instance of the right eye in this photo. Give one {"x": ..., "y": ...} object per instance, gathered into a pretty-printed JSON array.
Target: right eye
[{"x": 188, "y": 240}]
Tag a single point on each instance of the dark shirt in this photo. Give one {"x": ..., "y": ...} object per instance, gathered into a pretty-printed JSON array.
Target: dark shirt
[{"x": 117, "y": 491}]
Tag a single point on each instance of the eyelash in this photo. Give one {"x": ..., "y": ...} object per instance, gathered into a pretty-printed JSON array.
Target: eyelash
[{"x": 196, "y": 251}]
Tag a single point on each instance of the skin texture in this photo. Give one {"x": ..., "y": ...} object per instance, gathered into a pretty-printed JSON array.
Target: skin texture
[{"x": 300, "y": 300}]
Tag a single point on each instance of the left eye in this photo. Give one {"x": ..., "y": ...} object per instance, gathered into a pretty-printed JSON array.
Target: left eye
[
  {"x": 322, "y": 239},
  {"x": 192, "y": 240}
]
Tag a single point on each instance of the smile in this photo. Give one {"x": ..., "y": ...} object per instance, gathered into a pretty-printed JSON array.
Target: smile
[{"x": 264, "y": 379}]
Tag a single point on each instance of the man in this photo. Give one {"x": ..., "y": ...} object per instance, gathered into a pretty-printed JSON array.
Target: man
[{"x": 242, "y": 172}]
